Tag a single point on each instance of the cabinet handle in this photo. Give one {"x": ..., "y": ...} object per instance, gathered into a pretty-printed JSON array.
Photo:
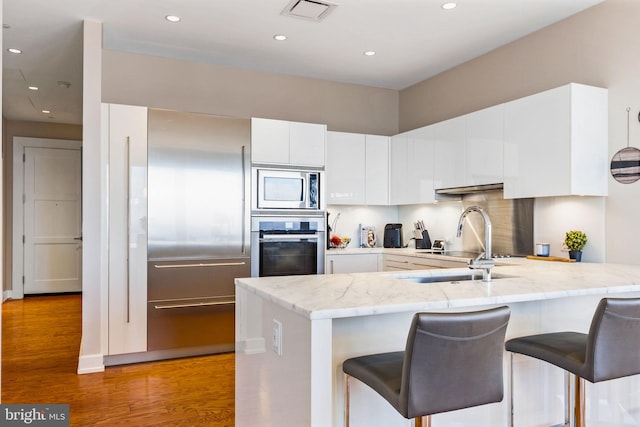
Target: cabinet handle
[
  {"x": 127, "y": 201},
  {"x": 244, "y": 202},
  {"x": 331, "y": 262},
  {"x": 288, "y": 237},
  {"x": 213, "y": 264},
  {"x": 197, "y": 304}
]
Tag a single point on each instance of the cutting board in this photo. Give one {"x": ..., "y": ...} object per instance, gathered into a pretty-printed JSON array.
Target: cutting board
[{"x": 550, "y": 258}]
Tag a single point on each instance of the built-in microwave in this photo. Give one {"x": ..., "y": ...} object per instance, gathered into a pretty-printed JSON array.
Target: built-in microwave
[{"x": 288, "y": 189}]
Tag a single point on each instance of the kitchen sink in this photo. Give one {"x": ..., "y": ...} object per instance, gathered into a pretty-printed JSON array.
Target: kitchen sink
[{"x": 472, "y": 275}]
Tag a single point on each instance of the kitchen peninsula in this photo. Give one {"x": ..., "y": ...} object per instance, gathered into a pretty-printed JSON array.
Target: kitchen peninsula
[{"x": 292, "y": 334}]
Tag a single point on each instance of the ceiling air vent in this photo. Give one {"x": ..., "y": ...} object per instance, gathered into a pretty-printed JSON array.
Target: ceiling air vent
[{"x": 311, "y": 10}]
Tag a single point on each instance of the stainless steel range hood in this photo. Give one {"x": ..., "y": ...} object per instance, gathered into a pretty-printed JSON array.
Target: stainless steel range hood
[{"x": 470, "y": 189}]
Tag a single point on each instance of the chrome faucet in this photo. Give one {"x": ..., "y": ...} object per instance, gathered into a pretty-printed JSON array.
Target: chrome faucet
[{"x": 484, "y": 261}]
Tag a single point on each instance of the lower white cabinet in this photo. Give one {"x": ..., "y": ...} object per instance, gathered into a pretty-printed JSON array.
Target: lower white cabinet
[
  {"x": 125, "y": 132},
  {"x": 352, "y": 263},
  {"x": 408, "y": 262}
]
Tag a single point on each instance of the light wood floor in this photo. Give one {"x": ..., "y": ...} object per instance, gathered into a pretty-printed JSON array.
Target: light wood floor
[{"x": 40, "y": 343}]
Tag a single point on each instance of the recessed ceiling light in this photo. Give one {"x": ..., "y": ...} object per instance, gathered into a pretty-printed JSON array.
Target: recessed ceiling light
[
  {"x": 369, "y": 53},
  {"x": 172, "y": 18},
  {"x": 280, "y": 37},
  {"x": 33, "y": 87},
  {"x": 46, "y": 111},
  {"x": 14, "y": 50},
  {"x": 449, "y": 6}
]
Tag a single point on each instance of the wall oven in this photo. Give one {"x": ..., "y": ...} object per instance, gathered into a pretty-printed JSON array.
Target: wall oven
[
  {"x": 287, "y": 189},
  {"x": 285, "y": 246}
]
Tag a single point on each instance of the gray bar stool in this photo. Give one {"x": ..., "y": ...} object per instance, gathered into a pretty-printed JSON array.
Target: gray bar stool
[
  {"x": 610, "y": 350},
  {"x": 451, "y": 361}
]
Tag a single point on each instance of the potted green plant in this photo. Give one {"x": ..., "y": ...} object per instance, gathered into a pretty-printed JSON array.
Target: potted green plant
[{"x": 574, "y": 241}]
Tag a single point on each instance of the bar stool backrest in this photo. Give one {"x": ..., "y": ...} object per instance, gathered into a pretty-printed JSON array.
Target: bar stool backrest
[
  {"x": 613, "y": 347},
  {"x": 453, "y": 361}
]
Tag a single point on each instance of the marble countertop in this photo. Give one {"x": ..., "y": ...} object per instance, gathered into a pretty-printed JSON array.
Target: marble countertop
[{"x": 359, "y": 294}]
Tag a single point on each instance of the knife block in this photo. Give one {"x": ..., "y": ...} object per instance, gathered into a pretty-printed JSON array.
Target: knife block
[{"x": 425, "y": 242}]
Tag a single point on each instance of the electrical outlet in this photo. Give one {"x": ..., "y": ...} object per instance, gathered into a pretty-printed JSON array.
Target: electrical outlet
[{"x": 276, "y": 337}]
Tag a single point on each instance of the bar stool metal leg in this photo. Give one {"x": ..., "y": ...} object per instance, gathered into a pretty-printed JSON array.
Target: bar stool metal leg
[
  {"x": 346, "y": 400},
  {"x": 580, "y": 402},
  {"x": 511, "y": 390},
  {"x": 567, "y": 398},
  {"x": 423, "y": 421}
]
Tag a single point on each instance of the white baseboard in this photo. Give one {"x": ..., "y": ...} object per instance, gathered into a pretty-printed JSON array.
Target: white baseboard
[
  {"x": 251, "y": 346},
  {"x": 8, "y": 294},
  {"x": 90, "y": 363}
]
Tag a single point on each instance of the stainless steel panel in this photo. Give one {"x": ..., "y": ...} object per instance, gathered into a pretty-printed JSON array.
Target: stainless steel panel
[
  {"x": 201, "y": 278},
  {"x": 511, "y": 219},
  {"x": 198, "y": 176},
  {"x": 191, "y": 324}
]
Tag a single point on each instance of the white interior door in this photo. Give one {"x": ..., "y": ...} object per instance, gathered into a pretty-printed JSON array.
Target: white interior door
[{"x": 52, "y": 220}]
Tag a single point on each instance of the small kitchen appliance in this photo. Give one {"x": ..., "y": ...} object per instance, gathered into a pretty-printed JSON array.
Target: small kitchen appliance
[
  {"x": 542, "y": 249},
  {"x": 393, "y": 236}
]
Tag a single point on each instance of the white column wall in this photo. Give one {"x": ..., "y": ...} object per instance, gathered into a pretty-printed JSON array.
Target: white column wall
[{"x": 94, "y": 203}]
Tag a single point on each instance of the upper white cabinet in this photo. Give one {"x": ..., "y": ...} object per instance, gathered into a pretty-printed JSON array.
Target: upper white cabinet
[
  {"x": 287, "y": 143},
  {"x": 420, "y": 164},
  {"x": 412, "y": 167},
  {"x": 345, "y": 169},
  {"x": 484, "y": 146},
  {"x": 399, "y": 193},
  {"x": 376, "y": 172},
  {"x": 449, "y": 153},
  {"x": 269, "y": 141},
  {"x": 125, "y": 133},
  {"x": 357, "y": 169},
  {"x": 556, "y": 143}
]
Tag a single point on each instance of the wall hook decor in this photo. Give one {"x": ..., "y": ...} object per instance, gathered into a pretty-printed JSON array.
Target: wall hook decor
[{"x": 625, "y": 164}]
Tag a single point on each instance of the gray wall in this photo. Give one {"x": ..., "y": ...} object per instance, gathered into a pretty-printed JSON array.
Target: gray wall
[{"x": 206, "y": 88}]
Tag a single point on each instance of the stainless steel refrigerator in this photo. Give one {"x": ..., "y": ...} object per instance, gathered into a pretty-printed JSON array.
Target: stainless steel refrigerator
[{"x": 198, "y": 229}]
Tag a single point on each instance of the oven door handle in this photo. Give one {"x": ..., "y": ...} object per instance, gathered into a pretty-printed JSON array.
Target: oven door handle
[{"x": 288, "y": 237}]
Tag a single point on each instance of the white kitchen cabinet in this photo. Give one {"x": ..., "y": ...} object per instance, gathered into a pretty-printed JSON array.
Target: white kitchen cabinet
[
  {"x": 125, "y": 129},
  {"x": 376, "y": 170},
  {"x": 270, "y": 141},
  {"x": 287, "y": 143},
  {"x": 420, "y": 165},
  {"x": 357, "y": 169},
  {"x": 484, "y": 146},
  {"x": 392, "y": 262},
  {"x": 556, "y": 143},
  {"x": 399, "y": 193},
  {"x": 412, "y": 167},
  {"x": 307, "y": 143},
  {"x": 345, "y": 169},
  {"x": 449, "y": 153},
  {"x": 352, "y": 263}
]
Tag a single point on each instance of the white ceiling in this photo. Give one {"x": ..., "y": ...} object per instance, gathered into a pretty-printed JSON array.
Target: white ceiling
[{"x": 413, "y": 40}]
